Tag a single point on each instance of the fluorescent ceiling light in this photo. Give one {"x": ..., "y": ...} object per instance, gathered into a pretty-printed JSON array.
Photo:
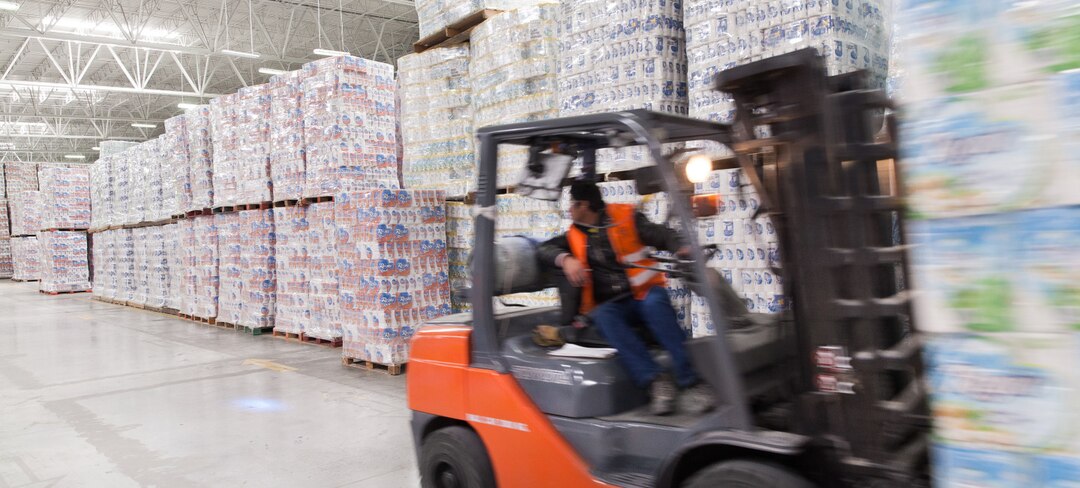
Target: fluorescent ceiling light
[
  {"x": 144, "y": 126},
  {"x": 95, "y": 148},
  {"x": 329, "y": 52},
  {"x": 74, "y": 156},
  {"x": 12, "y": 6},
  {"x": 271, "y": 71},
  {"x": 186, "y": 106},
  {"x": 239, "y": 54}
]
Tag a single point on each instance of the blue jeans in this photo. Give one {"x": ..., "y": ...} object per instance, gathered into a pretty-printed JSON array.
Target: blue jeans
[{"x": 615, "y": 320}]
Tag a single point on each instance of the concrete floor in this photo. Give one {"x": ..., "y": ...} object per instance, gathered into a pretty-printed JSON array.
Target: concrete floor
[{"x": 94, "y": 394}]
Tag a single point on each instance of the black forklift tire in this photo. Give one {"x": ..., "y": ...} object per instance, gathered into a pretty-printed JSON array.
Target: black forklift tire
[
  {"x": 455, "y": 457},
  {"x": 743, "y": 473}
]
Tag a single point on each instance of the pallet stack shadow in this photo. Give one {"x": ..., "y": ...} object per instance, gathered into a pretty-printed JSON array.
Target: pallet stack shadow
[{"x": 994, "y": 266}]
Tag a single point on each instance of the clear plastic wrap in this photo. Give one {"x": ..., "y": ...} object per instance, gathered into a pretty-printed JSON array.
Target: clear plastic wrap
[
  {"x": 231, "y": 290},
  {"x": 7, "y": 268},
  {"x": 391, "y": 256},
  {"x": 65, "y": 197},
  {"x": 26, "y": 258},
  {"x": 189, "y": 290},
  {"x": 722, "y": 35},
  {"x": 105, "y": 264},
  {"x": 460, "y": 239},
  {"x": 26, "y": 210},
  {"x": 621, "y": 56},
  {"x": 158, "y": 267},
  {"x": 258, "y": 267},
  {"x": 128, "y": 268},
  {"x": 292, "y": 313},
  {"x": 436, "y": 15},
  {"x": 65, "y": 262},
  {"x": 349, "y": 126},
  {"x": 3, "y": 184},
  {"x": 102, "y": 194},
  {"x": 138, "y": 174},
  {"x": 122, "y": 186},
  {"x": 156, "y": 166},
  {"x": 5, "y": 223},
  {"x": 20, "y": 177},
  {"x": 200, "y": 157},
  {"x": 179, "y": 163},
  {"x": 141, "y": 248},
  {"x": 323, "y": 272},
  {"x": 512, "y": 73},
  {"x": 253, "y": 154},
  {"x": 204, "y": 265},
  {"x": 287, "y": 160},
  {"x": 174, "y": 260},
  {"x": 226, "y": 142},
  {"x": 112, "y": 148},
  {"x": 436, "y": 121}
]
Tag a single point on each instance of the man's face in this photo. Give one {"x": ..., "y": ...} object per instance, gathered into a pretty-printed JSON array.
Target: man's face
[{"x": 579, "y": 210}]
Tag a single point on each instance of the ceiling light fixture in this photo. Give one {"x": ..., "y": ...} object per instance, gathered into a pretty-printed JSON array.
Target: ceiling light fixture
[
  {"x": 240, "y": 54},
  {"x": 329, "y": 52},
  {"x": 95, "y": 148},
  {"x": 74, "y": 156},
  {"x": 186, "y": 106},
  {"x": 139, "y": 125},
  {"x": 9, "y": 6},
  {"x": 271, "y": 71}
]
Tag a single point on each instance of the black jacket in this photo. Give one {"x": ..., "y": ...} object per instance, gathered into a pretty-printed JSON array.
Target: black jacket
[{"x": 608, "y": 275}]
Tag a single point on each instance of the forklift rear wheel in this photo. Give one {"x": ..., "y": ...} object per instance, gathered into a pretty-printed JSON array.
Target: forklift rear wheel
[
  {"x": 746, "y": 474},
  {"x": 455, "y": 457}
]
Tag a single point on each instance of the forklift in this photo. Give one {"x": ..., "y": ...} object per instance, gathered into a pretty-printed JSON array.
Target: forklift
[{"x": 827, "y": 393}]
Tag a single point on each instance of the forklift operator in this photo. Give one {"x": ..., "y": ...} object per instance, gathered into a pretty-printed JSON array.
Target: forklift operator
[{"x": 593, "y": 255}]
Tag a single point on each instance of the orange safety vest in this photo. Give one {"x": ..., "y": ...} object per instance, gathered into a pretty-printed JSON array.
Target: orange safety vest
[{"x": 628, "y": 249}]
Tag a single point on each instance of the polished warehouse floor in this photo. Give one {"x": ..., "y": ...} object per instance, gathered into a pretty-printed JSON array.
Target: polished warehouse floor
[{"x": 94, "y": 394}]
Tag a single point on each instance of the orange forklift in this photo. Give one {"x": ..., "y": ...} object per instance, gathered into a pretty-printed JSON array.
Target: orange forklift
[{"x": 826, "y": 393}]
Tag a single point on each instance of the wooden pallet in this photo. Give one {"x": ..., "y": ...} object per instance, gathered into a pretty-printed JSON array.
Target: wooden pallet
[
  {"x": 288, "y": 336},
  {"x": 195, "y": 213},
  {"x": 63, "y": 229},
  {"x": 54, "y": 293},
  {"x": 225, "y": 325},
  {"x": 156, "y": 223},
  {"x": 288, "y": 203},
  {"x": 455, "y": 33},
  {"x": 318, "y": 341},
  {"x": 254, "y": 330},
  {"x": 201, "y": 320},
  {"x": 391, "y": 369},
  {"x": 241, "y": 207},
  {"x": 311, "y": 200}
]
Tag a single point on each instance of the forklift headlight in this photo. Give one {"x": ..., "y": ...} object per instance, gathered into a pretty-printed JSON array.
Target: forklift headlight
[{"x": 698, "y": 168}]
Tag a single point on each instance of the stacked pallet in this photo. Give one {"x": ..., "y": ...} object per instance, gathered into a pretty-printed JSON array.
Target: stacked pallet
[
  {"x": 391, "y": 256},
  {"x": 349, "y": 132}
]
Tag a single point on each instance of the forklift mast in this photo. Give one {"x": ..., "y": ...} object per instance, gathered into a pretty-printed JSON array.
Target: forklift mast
[{"x": 807, "y": 144}]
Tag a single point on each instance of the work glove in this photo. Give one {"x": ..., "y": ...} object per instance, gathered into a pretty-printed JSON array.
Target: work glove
[{"x": 547, "y": 336}]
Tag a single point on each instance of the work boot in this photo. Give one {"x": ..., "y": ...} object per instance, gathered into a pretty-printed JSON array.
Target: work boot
[
  {"x": 698, "y": 399},
  {"x": 662, "y": 392}
]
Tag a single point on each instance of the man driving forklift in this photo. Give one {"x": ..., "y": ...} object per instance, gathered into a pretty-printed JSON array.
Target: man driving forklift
[{"x": 593, "y": 255}]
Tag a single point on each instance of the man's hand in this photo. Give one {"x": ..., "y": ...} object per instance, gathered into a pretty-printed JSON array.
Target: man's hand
[
  {"x": 683, "y": 252},
  {"x": 575, "y": 271}
]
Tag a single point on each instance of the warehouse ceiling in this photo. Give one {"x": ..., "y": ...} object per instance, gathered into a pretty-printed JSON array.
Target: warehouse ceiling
[{"x": 75, "y": 73}]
